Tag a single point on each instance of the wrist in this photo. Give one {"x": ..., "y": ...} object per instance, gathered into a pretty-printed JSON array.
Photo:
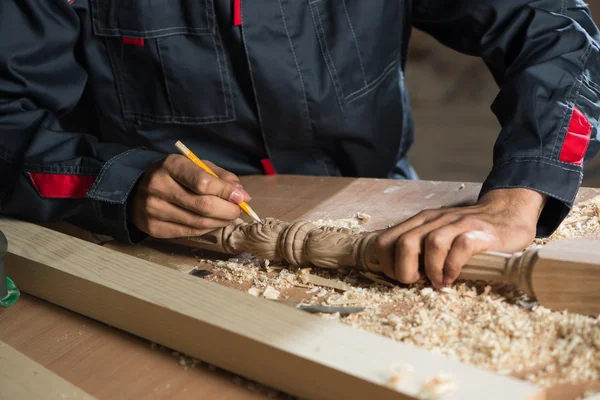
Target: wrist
[{"x": 518, "y": 200}]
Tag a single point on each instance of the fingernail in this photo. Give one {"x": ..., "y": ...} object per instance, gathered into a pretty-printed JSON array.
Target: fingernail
[
  {"x": 447, "y": 281},
  {"x": 239, "y": 186},
  {"x": 236, "y": 197},
  {"x": 246, "y": 195}
]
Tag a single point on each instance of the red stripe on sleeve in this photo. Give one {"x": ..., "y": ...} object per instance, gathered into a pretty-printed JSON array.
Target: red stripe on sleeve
[
  {"x": 577, "y": 139},
  {"x": 62, "y": 186},
  {"x": 268, "y": 167}
]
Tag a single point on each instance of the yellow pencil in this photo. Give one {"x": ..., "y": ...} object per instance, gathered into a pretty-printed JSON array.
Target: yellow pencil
[{"x": 189, "y": 154}]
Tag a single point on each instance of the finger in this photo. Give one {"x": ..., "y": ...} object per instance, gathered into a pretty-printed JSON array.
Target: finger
[
  {"x": 390, "y": 235},
  {"x": 168, "y": 212},
  {"x": 201, "y": 182},
  {"x": 384, "y": 253},
  {"x": 228, "y": 176},
  {"x": 386, "y": 242},
  {"x": 208, "y": 206},
  {"x": 169, "y": 230},
  {"x": 406, "y": 258},
  {"x": 222, "y": 173},
  {"x": 410, "y": 246},
  {"x": 437, "y": 245},
  {"x": 463, "y": 248},
  {"x": 392, "y": 243}
]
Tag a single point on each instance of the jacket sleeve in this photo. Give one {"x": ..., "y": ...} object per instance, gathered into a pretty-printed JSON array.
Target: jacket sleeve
[
  {"x": 47, "y": 171},
  {"x": 544, "y": 55}
]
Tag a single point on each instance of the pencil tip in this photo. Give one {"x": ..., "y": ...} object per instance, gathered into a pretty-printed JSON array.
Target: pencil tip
[{"x": 255, "y": 217}]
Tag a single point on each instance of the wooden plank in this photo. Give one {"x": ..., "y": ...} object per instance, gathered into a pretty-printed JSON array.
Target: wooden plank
[
  {"x": 112, "y": 364},
  {"x": 23, "y": 378},
  {"x": 262, "y": 340}
]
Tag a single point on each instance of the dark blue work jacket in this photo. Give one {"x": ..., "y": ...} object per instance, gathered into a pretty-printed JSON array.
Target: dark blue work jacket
[{"x": 94, "y": 91}]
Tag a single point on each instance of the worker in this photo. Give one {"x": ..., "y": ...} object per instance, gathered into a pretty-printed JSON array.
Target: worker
[{"x": 95, "y": 93}]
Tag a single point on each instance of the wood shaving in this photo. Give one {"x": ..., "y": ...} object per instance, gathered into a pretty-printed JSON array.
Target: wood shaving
[
  {"x": 271, "y": 293},
  {"x": 437, "y": 387},
  {"x": 254, "y": 291},
  {"x": 306, "y": 277},
  {"x": 343, "y": 301},
  {"x": 350, "y": 223},
  {"x": 582, "y": 222},
  {"x": 399, "y": 372},
  {"x": 392, "y": 189},
  {"x": 377, "y": 279},
  {"x": 362, "y": 218}
]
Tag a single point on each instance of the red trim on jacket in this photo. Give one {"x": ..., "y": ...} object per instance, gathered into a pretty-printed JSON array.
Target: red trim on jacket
[
  {"x": 237, "y": 12},
  {"x": 577, "y": 139},
  {"x": 133, "y": 41},
  {"x": 267, "y": 166},
  {"x": 61, "y": 186}
]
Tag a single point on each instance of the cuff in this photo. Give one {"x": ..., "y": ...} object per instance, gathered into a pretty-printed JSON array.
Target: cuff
[
  {"x": 559, "y": 181},
  {"x": 111, "y": 190}
]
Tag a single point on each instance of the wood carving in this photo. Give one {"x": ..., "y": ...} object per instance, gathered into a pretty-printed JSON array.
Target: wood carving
[
  {"x": 299, "y": 243},
  {"x": 563, "y": 274}
]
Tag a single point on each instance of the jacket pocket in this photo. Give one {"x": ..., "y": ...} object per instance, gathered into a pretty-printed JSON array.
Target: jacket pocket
[
  {"x": 168, "y": 60},
  {"x": 360, "y": 42}
]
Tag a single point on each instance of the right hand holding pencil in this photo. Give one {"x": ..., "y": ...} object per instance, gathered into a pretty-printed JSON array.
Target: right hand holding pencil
[{"x": 175, "y": 198}]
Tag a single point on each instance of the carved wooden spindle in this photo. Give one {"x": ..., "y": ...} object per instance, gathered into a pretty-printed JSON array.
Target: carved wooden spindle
[
  {"x": 550, "y": 273},
  {"x": 302, "y": 243}
]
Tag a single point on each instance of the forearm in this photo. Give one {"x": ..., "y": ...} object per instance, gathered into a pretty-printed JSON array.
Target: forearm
[
  {"x": 48, "y": 172},
  {"x": 545, "y": 57}
]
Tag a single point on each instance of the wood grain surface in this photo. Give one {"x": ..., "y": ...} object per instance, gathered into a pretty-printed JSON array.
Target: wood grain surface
[
  {"x": 257, "y": 338},
  {"x": 23, "y": 378},
  {"x": 108, "y": 363}
]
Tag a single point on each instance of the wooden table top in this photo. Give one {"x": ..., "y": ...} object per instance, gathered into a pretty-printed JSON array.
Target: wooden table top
[{"x": 108, "y": 363}]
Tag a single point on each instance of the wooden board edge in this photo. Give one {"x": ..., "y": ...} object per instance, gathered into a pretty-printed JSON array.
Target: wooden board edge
[
  {"x": 21, "y": 377},
  {"x": 261, "y": 340}
]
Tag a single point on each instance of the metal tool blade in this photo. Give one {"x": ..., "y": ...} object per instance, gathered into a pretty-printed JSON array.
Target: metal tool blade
[
  {"x": 200, "y": 273},
  {"x": 329, "y": 309}
]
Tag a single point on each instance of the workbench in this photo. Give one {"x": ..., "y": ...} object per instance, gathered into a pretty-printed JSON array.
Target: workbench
[{"x": 108, "y": 363}]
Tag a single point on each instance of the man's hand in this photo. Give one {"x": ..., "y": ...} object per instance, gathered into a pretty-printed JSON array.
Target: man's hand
[
  {"x": 176, "y": 198},
  {"x": 445, "y": 239}
]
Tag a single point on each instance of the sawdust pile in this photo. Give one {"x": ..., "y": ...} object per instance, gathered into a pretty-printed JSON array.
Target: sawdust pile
[
  {"x": 582, "y": 222},
  {"x": 493, "y": 326},
  {"x": 488, "y": 325}
]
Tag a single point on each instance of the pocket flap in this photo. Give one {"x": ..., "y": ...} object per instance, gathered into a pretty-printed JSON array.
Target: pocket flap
[{"x": 152, "y": 18}]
